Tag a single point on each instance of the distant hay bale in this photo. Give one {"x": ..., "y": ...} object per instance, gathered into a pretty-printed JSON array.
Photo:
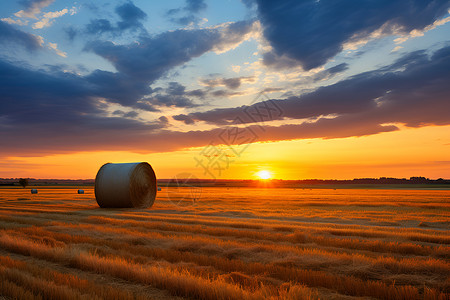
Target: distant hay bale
[
  {"x": 34, "y": 191},
  {"x": 125, "y": 185},
  {"x": 80, "y": 191}
]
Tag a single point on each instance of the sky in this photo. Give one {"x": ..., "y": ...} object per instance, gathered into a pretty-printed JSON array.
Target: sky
[{"x": 226, "y": 89}]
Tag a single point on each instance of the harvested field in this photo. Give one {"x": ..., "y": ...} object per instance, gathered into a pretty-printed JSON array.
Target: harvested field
[{"x": 232, "y": 243}]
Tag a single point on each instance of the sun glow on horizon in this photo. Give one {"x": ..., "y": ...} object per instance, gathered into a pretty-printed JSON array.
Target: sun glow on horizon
[
  {"x": 264, "y": 174},
  {"x": 407, "y": 152}
]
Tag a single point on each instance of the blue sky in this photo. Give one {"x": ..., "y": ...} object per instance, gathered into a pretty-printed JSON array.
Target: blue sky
[{"x": 108, "y": 75}]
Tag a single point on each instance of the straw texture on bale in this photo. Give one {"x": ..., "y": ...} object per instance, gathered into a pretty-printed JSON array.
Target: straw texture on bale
[
  {"x": 34, "y": 191},
  {"x": 125, "y": 185}
]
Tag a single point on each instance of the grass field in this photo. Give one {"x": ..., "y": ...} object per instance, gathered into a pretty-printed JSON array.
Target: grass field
[{"x": 231, "y": 243}]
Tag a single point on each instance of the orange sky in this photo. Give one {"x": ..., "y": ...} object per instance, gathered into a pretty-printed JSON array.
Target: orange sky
[{"x": 408, "y": 152}]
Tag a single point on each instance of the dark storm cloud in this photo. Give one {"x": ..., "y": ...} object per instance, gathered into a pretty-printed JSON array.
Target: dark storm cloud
[
  {"x": 52, "y": 111},
  {"x": 10, "y": 35},
  {"x": 26, "y": 94},
  {"x": 131, "y": 18},
  {"x": 412, "y": 90},
  {"x": 152, "y": 57},
  {"x": 56, "y": 99},
  {"x": 140, "y": 64},
  {"x": 311, "y": 32},
  {"x": 192, "y": 8},
  {"x": 44, "y": 110},
  {"x": 167, "y": 140},
  {"x": 117, "y": 87}
]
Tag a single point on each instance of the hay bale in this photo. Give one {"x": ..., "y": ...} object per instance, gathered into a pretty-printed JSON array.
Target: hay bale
[
  {"x": 34, "y": 191},
  {"x": 80, "y": 191},
  {"x": 125, "y": 185}
]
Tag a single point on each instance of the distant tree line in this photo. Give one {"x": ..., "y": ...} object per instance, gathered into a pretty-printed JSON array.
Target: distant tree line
[
  {"x": 381, "y": 180},
  {"x": 233, "y": 182}
]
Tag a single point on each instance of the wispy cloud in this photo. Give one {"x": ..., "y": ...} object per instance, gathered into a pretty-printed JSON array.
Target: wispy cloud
[
  {"x": 417, "y": 32},
  {"x": 231, "y": 83},
  {"x": 54, "y": 47},
  {"x": 48, "y": 18},
  {"x": 33, "y": 8},
  {"x": 16, "y": 21}
]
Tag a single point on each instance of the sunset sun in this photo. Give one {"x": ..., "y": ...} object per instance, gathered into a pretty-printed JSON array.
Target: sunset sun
[{"x": 264, "y": 174}]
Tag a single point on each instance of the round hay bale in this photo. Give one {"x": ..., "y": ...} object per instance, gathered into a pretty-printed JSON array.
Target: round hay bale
[
  {"x": 34, "y": 191},
  {"x": 125, "y": 185},
  {"x": 80, "y": 191}
]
